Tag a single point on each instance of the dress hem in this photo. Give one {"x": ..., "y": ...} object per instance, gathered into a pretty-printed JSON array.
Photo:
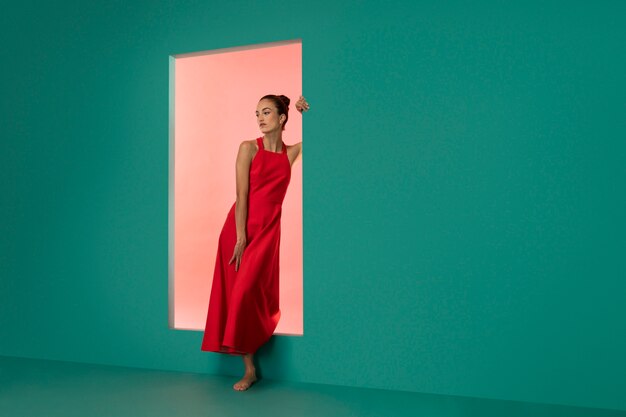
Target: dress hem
[{"x": 224, "y": 349}]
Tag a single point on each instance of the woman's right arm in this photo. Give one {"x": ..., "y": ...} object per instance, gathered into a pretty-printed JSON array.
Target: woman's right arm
[
  {"x": 242, "y": 168},
  {"x": 244, "y": 159}
]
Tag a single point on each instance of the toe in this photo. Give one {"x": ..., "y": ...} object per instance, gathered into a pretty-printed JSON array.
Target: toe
[{"x": 240, "y": 386}]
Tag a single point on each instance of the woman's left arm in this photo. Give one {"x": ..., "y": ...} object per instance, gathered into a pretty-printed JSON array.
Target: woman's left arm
[
  {"x": 301, "y": 106},
  {"x": 299, "y": 154}
]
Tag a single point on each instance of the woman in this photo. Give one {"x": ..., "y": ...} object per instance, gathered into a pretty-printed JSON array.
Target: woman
[{"x": 243, "y": 306}]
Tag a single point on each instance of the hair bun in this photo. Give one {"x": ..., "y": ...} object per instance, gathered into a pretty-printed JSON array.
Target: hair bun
[{"x": 285, "y": 100}]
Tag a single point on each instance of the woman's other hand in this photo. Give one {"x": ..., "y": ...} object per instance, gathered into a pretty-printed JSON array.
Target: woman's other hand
[
  {"x": 302, "y": 105},
  {"x": 238, "y": 253}
]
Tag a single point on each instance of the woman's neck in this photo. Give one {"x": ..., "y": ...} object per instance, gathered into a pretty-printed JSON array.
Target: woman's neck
[{"x": 273, "y": 141}]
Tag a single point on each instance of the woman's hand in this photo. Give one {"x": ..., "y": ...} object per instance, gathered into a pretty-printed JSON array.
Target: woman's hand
[
  {"x": 302, "y": 105},
  {"x": 238, "y": 253}
]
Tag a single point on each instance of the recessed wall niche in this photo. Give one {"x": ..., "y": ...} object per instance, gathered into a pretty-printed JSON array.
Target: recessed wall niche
[{"x": 213, "y": 98}]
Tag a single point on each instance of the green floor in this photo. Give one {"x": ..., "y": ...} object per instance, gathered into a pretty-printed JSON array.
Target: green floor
[{"x": 33, "y": 388}]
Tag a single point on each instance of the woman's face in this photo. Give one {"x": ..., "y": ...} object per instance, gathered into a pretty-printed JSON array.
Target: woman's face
[{"x": 267, "y": 116}]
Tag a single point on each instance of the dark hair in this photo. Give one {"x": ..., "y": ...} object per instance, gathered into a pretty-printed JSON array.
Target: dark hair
[{"x": 282, "y": 104}]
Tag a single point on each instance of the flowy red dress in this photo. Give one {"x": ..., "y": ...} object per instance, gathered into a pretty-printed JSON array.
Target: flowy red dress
[{"x": 244, "y": 304}]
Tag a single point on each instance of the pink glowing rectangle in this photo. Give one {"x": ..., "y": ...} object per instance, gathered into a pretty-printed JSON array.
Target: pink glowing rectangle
[{"x": 213, "y": 98}]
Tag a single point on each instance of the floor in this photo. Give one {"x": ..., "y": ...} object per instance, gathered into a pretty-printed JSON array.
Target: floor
[{"x": 33, "y": 388}]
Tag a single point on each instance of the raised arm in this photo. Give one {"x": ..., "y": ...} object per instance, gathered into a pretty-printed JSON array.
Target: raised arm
[
  {"x": 301, "y": 106},
  {"x": 299, "y": 154}
]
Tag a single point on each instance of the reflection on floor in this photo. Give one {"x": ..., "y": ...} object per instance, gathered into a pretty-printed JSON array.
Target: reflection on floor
[{"x": 33, "y": 388}]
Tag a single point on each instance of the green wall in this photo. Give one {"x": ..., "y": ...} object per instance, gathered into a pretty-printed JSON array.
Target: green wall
[{"x": 463, "y": 191}]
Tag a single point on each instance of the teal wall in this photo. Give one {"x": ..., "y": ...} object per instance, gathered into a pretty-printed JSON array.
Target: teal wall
[{"x": 463, "y": 191}]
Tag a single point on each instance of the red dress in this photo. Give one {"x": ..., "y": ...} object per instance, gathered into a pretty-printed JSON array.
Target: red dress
[{"x": 243, "y": 306}]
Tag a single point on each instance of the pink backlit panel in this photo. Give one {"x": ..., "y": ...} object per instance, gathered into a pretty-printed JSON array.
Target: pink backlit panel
[{"x": 215, "y": 94}]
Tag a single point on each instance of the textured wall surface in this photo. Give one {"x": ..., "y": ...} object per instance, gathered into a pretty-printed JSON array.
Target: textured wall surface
[{"x": 463, "y": 191}]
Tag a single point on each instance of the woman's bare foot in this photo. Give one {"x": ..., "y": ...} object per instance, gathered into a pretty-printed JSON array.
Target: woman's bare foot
[
  {"x": 250, "y": 376},
  {"x": 246, "y": 382}
]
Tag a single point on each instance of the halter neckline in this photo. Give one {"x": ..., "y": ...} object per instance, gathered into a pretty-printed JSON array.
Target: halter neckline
[{"x": 262, "y": 146}]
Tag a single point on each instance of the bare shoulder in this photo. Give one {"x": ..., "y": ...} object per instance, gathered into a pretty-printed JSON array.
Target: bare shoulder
[
  {"x": 248, "y": 145},
  {"x": 247, "y": 149},
  {"x": 296, "y": 147}
]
